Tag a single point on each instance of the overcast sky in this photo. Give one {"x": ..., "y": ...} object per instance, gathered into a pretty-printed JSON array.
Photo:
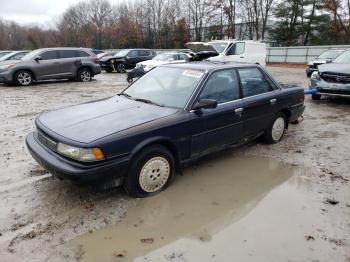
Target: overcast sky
[{"x": 42, "y": 12}]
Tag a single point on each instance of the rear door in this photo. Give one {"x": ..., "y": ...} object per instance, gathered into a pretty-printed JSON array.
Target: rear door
[
  {"x": 259, "y": 97},
  {"x": 223, "y": 125},
  {"x": 49, "y": 65}
]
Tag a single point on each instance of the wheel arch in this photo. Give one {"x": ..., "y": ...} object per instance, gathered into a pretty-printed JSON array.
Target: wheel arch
[
  {"x": 287, "y": 113},
  {"x": 86, "y": 67},
  {"x": 24, "y": 69},
  {"x": 162, "y": 141}
]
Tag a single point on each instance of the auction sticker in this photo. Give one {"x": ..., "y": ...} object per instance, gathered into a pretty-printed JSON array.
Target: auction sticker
[{"x": 192, "y": 73}]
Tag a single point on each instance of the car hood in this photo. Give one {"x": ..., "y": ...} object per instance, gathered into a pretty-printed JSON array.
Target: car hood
[
  {"x": 153, "y": 63},
  {"x": 336, "y": 68},
  {"x": 200, "y": 47},
  {"x": 88, "y": 122},
  {"x": 10, "y": 62}
]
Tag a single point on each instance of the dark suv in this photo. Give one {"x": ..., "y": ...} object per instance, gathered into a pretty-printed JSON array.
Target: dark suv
[
  {"x": 51, "y": 63},
  {"x": 126, "y": 59}
]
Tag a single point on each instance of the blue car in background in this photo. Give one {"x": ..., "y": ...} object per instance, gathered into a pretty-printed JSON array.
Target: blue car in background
[{"x": 171, "y": 116}]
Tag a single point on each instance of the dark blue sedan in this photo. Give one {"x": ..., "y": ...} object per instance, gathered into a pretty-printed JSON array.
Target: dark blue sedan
[{"x": 171, "y": 116}]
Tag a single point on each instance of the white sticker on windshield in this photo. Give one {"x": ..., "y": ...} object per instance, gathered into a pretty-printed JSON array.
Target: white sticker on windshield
[{"x": 192, "y": 73}]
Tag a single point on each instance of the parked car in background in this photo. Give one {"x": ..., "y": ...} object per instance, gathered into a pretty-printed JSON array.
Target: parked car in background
[
  {"x": 164, "y": 58},
  {"x": 126, "y": 59},
  {"x": 2, "y": 53},
  {"x": 50, "y": 63},
  {"x": 96, "y": 51},
  {"x": 174, "y": 114},
  {"x": 15, "y": 55},
  {"x": 230, "y": 51},
  {"x": 105, "y": 54},
  {"x": 327, "y": 56},
  {"x": 332, "y": 79}
]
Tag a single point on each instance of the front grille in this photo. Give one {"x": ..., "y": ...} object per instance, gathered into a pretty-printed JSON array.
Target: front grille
[
  {"x": 46, "y": 141},
  {"x": 336, "y": 78}
]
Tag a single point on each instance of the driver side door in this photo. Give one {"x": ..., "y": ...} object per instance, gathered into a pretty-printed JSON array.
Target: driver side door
[{"x": 221, "y": 126}]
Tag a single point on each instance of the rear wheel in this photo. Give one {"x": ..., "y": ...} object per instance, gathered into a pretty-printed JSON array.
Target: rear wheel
[
  {"x": 316, "y": 97},
  {"x": 24, "y": 78},
  {"x": 84, "y": 75},
  {"x": 150, "y": 173},
  {"x": 276, "y": 130}
]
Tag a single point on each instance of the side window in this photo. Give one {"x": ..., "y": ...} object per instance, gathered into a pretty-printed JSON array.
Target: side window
[
  {"x": 48, "y": 55},
  {"x": 236, "y": 49},
  {"x": 81, "y": 54},
  {"x": 144, "y": 53},
  {"x": 183, "y": 57},
  {"x": 67, "y": 53},
  {"x": 132, "y": 54},
  {"x": 222, "y": 86},
  {"x": 253, "y": 82}
]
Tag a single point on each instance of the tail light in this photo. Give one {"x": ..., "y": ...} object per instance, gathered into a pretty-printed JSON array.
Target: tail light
[{"x": 96, "y": 59}]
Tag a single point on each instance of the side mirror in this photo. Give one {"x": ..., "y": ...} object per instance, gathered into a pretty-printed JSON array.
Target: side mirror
[
  {"x": 38, "y": 58},
  {"x": 205, "y": 103}
]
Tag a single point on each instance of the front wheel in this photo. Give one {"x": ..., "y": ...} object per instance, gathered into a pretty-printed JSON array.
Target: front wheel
[
  {"x": 121, "y": 68},
  {"x": 84, "y": 75},
  {"x": 274, "y": 133},
  {"x": 150, "y": 172},
  {"x": 24, "y": 78}
]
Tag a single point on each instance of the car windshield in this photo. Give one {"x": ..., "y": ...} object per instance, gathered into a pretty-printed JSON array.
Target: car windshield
[
  {"x": 162, "y": 57},
  {"x": 166, "y": 86},
  {"x": 6, "y": 56},
  {"x": 31, "y": 55},
  {"x": 2, "y": 54},
  {"x": 330, "y": 54},
  {"x": 219, "y": 46},
  {"x": 344, "y": 58},
  {"x": 122, "y": 52}
]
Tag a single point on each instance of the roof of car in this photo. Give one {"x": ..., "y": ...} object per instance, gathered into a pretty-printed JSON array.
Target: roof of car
[
  {"x": 64, "y": 48},
  {"x": 208, "y": 65}
]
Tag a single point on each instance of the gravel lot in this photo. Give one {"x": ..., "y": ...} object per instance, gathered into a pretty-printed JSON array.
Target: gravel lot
[{"x": 285, "y": 202}]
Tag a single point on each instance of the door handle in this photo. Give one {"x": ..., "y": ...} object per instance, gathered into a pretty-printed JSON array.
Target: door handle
[
  {"x": 273, "y": 101},
  {"x": 238, "y": 111},
  {"x": 241, "y": 57}
]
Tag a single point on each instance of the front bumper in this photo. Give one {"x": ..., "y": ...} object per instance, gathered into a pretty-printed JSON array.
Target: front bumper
[
  {"x": 5, "y": 77},
  {"x": 100, "y": 175},
  {"x": 330, "y": 89}
]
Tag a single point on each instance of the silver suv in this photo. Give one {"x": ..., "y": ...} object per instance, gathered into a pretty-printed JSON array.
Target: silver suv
[{"x": 50, "y": 63}]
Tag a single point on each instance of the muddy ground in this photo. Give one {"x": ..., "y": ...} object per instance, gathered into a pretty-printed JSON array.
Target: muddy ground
[{"x": 284, "y": 202}]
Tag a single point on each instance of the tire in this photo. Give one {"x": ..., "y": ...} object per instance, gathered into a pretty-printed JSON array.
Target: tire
[
  {"x": 274, "y": 133},
  {"x": 84, "y": 75},
  {"x": 121, "y": 68},
  {"x": 150, "y": 173},
  {"x": 308, "y": 74},
  {"x": 24, "y": 78},
  {"x": 316, "y": 97},
  {"x": 109, "y": 70}
]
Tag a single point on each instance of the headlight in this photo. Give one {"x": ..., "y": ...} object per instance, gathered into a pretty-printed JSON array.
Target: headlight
[
  {"x": 4, "y": 67},
  {"x": 80, "y": 154},
  {"x": 315, "y": 76}
]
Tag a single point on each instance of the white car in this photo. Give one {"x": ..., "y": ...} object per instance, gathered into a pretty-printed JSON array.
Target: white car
[
  {"x": 232, "y": 50},
  {"x": 163, "y": 58}
]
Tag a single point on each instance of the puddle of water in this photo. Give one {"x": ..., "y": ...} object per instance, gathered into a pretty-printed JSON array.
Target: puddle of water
[{"x": 198, "y": 205}]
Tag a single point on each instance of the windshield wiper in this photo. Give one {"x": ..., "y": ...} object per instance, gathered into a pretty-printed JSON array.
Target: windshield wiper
[
  {"x": 126, "y": 95},
  {"x": 148, "y": 101}
]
